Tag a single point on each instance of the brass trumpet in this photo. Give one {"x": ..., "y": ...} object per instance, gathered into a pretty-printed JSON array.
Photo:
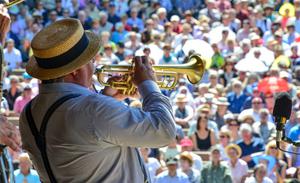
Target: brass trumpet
[
  {"x": 167, "y": 75},
  {"x": 12, "y": 3}
]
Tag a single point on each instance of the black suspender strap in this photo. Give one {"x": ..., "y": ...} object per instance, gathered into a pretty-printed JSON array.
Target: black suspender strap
[
  {"x": 40, "y": 136},
  {"x": 142, "y": 166}
]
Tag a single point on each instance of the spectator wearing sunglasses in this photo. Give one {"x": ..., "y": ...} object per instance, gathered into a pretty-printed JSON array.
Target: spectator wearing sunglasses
[
  {"x": 279, "y": 173},
  {"x": 232, "y": 125}
]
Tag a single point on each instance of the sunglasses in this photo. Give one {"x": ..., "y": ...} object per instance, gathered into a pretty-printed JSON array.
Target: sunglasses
[
  {"x": 273, "y": 147},
  {"x": 232, "y": 124},
  {"x": 256, "y": 102},
  {"x": 223, "y": 136},
  {"x": 171, "y": 159}
]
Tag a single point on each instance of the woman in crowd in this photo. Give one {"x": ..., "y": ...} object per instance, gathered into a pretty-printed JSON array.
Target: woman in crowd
[
  {"x": 224, "y": 140},
  {"x": 237, "y": 166},
  {"x": 228, "y": 74},
  {"x": 204, "y": 137},
  {"x": 279, "y": 171},
  {"x": 233, "y": 126},
  {"x": 13, "y": 93},
  {"x": 22, "y": 100}
]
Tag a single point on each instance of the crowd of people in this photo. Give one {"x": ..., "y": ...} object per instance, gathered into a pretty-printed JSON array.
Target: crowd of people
[{"x": 251, "y": 50}]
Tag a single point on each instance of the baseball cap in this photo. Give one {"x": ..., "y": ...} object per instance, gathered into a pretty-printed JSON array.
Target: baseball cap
[{"x": 186, "y": 142}]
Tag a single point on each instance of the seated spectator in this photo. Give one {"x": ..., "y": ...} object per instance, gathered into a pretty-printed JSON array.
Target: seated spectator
[
  {"x": 259, "y": 175},
  {"x": 152, "y": 164},
  {"x": 167, "y": 57},
  {"x": 12, "y": 56},
  {"x": 109, "y": 55},
  {"x": 203, "y": 110},
  {"x": 233, "y": 126},
  {"x": 237, "y": 166},
  {"x": 186, "y": 166},
  {"x": 119, "y": 35},
  {"x": 172, "y": 150},
  {"x": 215, "y": 171},
  {"x": 183, "y": 113},
  {"x": 172, "y": 174},
  {"x": 295, "y": 132},
  {"x": 22, "y": 100},
  {"x": 265, "y": 128},
  {"x": 249, "y": 144},
  {"x": 13, "y": 92},
  {"x": 257, "y": 105},
  {"x": 204, "y": 138},
  {"x": 214, "y": 81},
  {"x": 224, "y": 141},
  {"x": 222, "y": 104},
  {"x": 236, "y": 98},
  {"x": 279, "y": 173},
  {"x": 25, "y": 173},
  {"x": 187, "y": 145},
  {"x": 292, "y": 159},
  {"x": 104, "y": 26}
]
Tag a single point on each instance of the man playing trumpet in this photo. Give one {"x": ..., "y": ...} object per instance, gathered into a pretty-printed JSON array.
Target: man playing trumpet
[{"x": 88, "y": 137}]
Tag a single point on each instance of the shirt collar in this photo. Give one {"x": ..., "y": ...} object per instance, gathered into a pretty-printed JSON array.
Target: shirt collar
[{"x": 62, "y": 87}]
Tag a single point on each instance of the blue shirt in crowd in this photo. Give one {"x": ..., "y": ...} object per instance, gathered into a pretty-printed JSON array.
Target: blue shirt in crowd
[
  {"x": 165, "y": 178},
  {"x": 236, "y": 102},
  {"x": 257, "y": 145},
  {"x": 295, "y": 133},
  {"x": 32, "y": 177}
]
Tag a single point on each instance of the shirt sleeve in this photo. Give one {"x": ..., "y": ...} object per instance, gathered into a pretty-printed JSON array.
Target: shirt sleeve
[{"x": 152, "y": 126}]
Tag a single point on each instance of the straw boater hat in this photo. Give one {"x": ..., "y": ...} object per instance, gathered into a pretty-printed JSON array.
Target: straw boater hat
[
  {"x": 60, "y": 49},
  {"x": 236, "y": 147}
]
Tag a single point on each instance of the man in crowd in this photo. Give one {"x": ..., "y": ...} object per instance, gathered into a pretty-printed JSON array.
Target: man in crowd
[
  {"x": 214, "y": 171},
  {"x": 12, "y": 56},
  {"x": 236, "y": 98},
  {"x": 263, "y": 127},
  {"x": 172, "y": 174},
  {"x": 249, "y": 144}
]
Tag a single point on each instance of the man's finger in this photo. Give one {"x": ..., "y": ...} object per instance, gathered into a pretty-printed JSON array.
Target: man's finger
[{"x": 12, "y": 144}]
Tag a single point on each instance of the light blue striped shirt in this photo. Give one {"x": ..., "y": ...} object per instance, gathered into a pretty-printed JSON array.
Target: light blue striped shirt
[{"x": 93, "y": 138}]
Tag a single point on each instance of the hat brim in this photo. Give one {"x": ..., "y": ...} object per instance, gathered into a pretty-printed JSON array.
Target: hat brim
[
  {"x": 236, "y": 147},
  {"x": 33, "y": 69}
]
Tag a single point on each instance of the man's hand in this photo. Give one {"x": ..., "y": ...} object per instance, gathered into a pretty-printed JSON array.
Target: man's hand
[
  {"x": 142, "y": 70},
  {"x": 109, "y": 91},
  {"x": 9, "y": 134},
  {"x": 4, "y": 23}
]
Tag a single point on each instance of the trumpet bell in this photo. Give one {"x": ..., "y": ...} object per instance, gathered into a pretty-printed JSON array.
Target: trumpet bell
[{"x": 167, "y": 75}]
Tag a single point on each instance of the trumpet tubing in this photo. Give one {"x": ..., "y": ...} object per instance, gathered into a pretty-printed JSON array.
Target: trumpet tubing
[
  {"x": 167, "y": 74},
  {"x": 12, "y": 3}
]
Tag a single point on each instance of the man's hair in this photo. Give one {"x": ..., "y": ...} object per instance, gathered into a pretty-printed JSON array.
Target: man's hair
[{"x": 56, "y": 80}]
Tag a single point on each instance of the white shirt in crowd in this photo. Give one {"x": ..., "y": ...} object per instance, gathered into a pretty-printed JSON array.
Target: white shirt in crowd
[
  {"x": 238, "y": 171},
  {"x": 12, "y": 58},
  {"x": 252, "y": 180}
]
